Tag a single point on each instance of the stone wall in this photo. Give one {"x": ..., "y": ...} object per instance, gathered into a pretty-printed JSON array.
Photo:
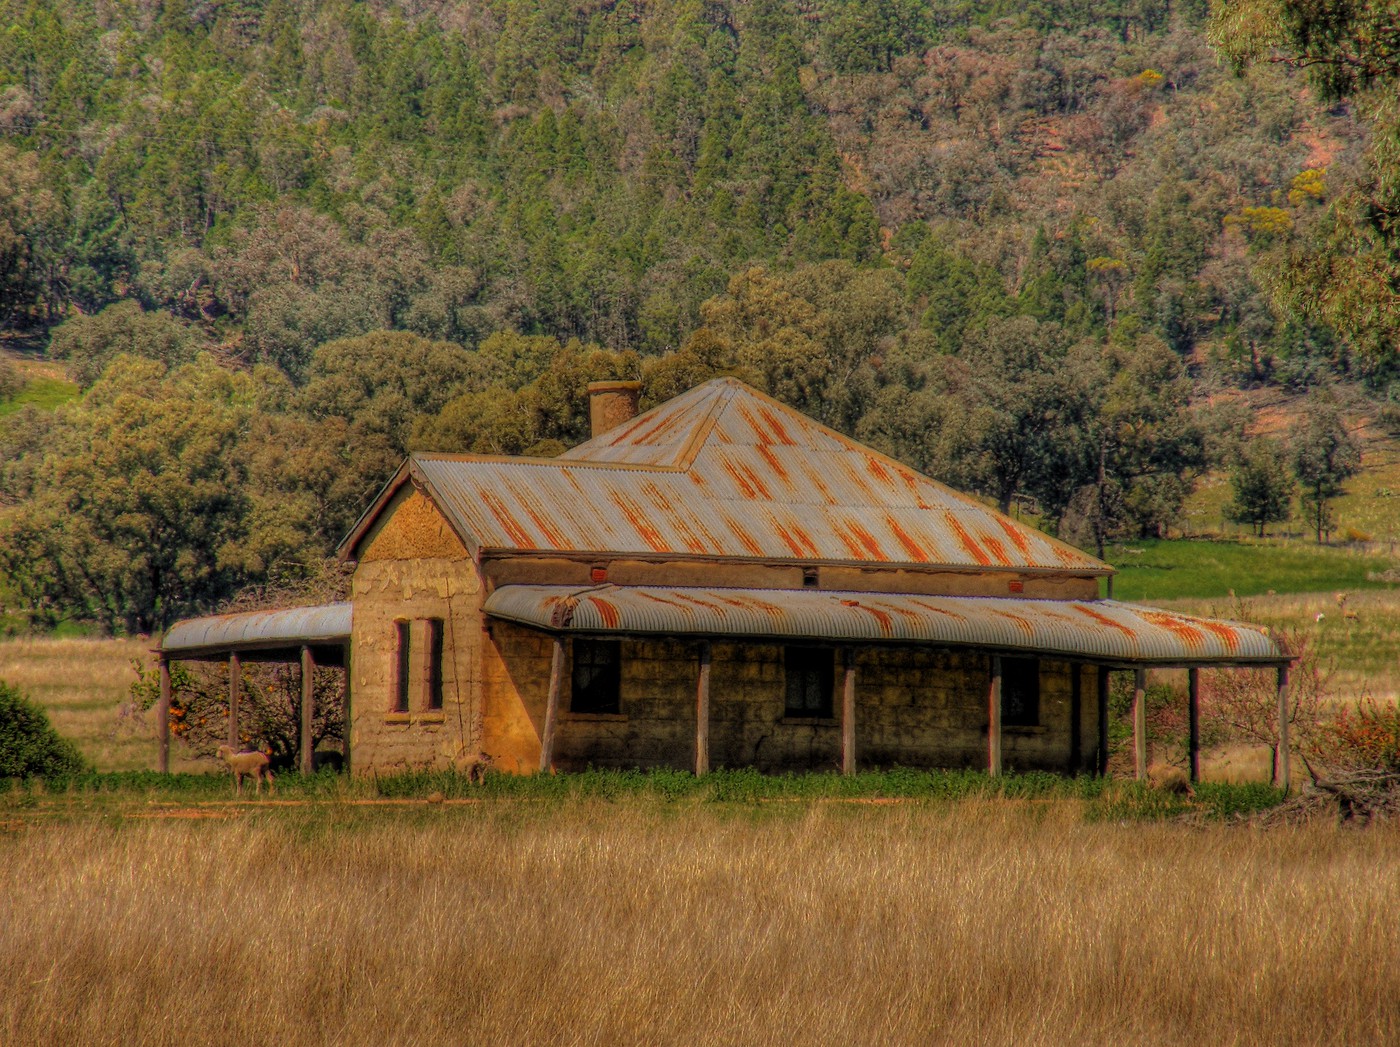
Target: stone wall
[{"x": 914, "y": 708}]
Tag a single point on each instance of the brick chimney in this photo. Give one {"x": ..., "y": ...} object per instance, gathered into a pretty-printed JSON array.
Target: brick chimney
[{"x": 612, "y": 403}]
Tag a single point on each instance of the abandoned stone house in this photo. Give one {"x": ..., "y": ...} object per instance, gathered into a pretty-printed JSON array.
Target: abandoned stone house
[{"x": 719, "y": 581}]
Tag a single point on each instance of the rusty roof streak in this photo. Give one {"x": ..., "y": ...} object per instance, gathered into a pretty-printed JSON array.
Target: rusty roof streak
[
  {"x": 1109, "y": 632},
  {"x": 780, "y": 489}
]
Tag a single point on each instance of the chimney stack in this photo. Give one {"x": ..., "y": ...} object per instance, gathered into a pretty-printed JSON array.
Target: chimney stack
[{"x": 612, "y": 403}]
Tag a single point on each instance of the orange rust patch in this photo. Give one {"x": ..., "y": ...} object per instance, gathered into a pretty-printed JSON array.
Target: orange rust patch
[
  {"x": 805, "y": 539},
  {"x": 997, "y": 550},
  {"x": 638, "y": 520},
  {"x": 1227, "y": 634},
  {"x": 1020, "y": 623},
  {"x": 939, "y": 610},
  {"x": 868, "y": 541},
  {"x": 773, "y": 463},
  {"x": 1089, "y": 612},
  {"x": 738, "y": 477},
  {"x": 787, "y": 539},
  {"x": 966, "y": 540},
  {"x": 606, "y": 611},
  {"x": 780, "y": 433},
  {"x": 508, "y": 522},
  {"x": 1178, "y": 627},
  {"x": 882, "y": 618},
  {"x": 745, "y": 539},
  {"x": 911, "y": 547},
  {"x": 1017, "y": 536},
  {"x": 757, "y": 482},
  {"x": 542, "y": 524},
  {"x": 877, "y": 470},
  {"x": 852, "y": 546}
]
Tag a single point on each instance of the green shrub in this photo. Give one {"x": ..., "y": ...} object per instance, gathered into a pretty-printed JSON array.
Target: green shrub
[{"x": 29, "y": 746}]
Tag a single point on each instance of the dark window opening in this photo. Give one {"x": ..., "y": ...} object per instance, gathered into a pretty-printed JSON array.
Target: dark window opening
[
  {"x": 434, "y": 645},
  {"x": 1020, "y": 692},
  {"x": 597, "y": 677},
  {"x": 809, "y": 676},
  {"x": 399, "y": 699}
]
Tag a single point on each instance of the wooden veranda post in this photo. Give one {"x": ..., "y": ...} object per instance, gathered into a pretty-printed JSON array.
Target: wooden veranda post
[
  {"x": 1140, "y": 723},
  {"x": 235, "y": 694},
  {"x": 163, "y": 718},
  {"x": 1282, "y": 764},
  {"x": 551, "y": 708},
  {"x": 994, "y": 719},
  {"x": 702, "y": 711},
  {"x": 1076, "y": 718},
  {"x": 1101, "y": 765},
  {"x": 848, "y": 715},
  {"x": 1193, "y": 713},
  {"x": 308, "y": 707}
]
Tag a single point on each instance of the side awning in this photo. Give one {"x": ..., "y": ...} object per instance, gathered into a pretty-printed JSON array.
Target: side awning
[
  {"x": 274, "y": 635},
  {"x": 1100, "y": 630}
]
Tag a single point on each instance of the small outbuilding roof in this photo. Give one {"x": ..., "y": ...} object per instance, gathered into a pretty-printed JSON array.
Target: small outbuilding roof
[
  {"x": 1099, "y": 630},
  {"x": 724, "y": 472},
  {"x": 287, "y": 628}
]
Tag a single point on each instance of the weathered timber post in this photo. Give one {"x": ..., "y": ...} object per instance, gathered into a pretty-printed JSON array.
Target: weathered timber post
[
  {"x": 1282, "y": 763},
  {"x": 551, "y": 708},
  {"x": 848, "y": 714},
  {"x": 994, "y": 719},
  {"x": 1140, "y": 723},
  {"x": 235, "y": 694},
  {"x": 163, "y": 718},
  {"x": 1076, "y": 717},
  {"x": 702, "y": 711},
  {"x": 1101, "y": 765},
  {"x": 1193, "y": 712},
  {"x": 308, "y": 707}
]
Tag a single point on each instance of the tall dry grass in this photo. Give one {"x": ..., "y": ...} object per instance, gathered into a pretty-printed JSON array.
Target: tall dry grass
[
  {"x": 82, "y": 684},
  {"x": 980, "y": 922}
]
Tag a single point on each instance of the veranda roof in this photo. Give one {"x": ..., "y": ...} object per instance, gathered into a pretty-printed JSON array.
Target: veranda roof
[
  {"x": 1102, "y": 631},
  {"x": 283, "y": 629}
]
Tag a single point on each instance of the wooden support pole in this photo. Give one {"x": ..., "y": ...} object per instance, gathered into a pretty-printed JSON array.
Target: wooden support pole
[
  {"x": 235, "y": 694},
  {"x": 994, "y": 719},
  {"x": 163, "y": 719},
  {"x": 1140, "y": 723},
  {"x": 308, "y": 707},
  {"x": 702, "y": 712},
  {"x": 848, "y": 714},
  {"x": 551, "y": 708},
  {"x": 1193, "y": 714},
  {"x": 1101, "y": 764},
  {"x": 1282, "y": 763},
  {"x": 1076, "y": 718}
]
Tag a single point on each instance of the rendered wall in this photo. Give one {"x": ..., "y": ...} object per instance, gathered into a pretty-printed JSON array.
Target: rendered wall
[{"x": 413, "y": 568}]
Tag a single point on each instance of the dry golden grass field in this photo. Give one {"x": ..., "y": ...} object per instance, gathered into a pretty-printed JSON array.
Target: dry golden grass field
[{"x": 988, "y": 922}]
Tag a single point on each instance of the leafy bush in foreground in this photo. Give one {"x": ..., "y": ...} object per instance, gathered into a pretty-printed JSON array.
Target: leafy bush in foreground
[{"x": 29, "y": 746}]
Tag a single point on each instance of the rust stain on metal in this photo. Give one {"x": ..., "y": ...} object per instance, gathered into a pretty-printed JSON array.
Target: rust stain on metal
[
  {"x": 506, "y": 520},
  {"x": 997, "y": 550},
  {"x": 745, "y": 539},
  {"x": 1017, "y": 536},
  {"x": 606, "y": 611},
  {"x": 882, "y": 618},
  {"x": 689, "y": 538},
  {"x": 911, "y": 547},
  {"x": 638, "y": 520},
  {"x": 525, "y": 499},
  {"x": 804, "y": 539},
  {"x": 1103, "y": 619},
  {"x": 1020, "y": 623},
  {"x": 852, "y": 546},
  {"x": 780, "y": 433},
  {"x": 773, "y": 463},
  {"x": 738, "y": 477},
  {"x": 937, "y": 610},
  {"x": 877, "y": 470},
  {"x": 1228, "y": 635},
  {"x": 868, "y": 541},
  {"x": 965, "y": 539},
  {"x": 1182, "y": 630}
]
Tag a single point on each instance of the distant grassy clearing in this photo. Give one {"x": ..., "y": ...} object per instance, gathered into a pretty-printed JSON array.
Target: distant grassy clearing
[
  {"x": 993, "y": 922},
  {"x": 1153, "y": 571}
]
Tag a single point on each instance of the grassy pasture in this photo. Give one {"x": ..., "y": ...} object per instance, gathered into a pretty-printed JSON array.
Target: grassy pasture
[{"x": 634, "y": 921}]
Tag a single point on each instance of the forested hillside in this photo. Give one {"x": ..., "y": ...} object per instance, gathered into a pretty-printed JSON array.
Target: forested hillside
[{"x": 278, "y": 243}]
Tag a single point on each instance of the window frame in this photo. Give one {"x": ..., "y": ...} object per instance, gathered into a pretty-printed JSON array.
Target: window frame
[
  {"x": 1020, "y": 692},
  {"x": 817, "y": 667},
  {"x": 401, "y": 680},
  {"x": 584, "y": 655}
]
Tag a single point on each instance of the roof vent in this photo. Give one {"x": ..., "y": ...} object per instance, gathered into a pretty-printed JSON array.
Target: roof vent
[{"x": 612, "y": 403}]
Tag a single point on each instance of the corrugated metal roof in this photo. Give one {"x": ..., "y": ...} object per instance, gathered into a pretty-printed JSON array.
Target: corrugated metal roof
[
  {"x": 253, "y": 630},
  {"x": 724, "y": 471},
  {"x": 1102, "y": 630}
]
